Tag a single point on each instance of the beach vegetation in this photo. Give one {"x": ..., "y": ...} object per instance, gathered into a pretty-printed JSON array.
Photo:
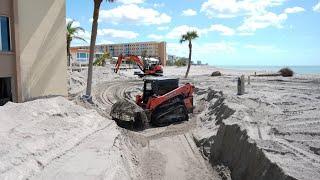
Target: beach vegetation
[
  {"x": 181, "y": 62},
  {"x": 101, "y": 61}
]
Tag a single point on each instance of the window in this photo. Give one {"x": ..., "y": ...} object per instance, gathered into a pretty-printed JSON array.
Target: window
[
  {"x": 82, "y": 56},
  {"x": 4, "y": 34},
  {"x": 148, "y": 86},
  {"x": 98, "y": 55}
]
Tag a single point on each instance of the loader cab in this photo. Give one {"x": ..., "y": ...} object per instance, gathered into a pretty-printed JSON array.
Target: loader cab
[{"x": 158, "y": 86}]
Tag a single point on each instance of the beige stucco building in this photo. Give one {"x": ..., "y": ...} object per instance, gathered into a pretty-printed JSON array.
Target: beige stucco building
[
  {"x": 152, "y": 49},
  {"x": 32, "y": 49}
]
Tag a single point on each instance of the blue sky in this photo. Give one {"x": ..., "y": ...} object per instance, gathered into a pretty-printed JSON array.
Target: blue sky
[{"x": 232, "y": 32}]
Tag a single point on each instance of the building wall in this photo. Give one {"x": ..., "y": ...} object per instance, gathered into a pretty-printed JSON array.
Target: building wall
[
  {"x": 163, "y": 52},
  {"x": 7, "y": 59},
  {"x": 42, "y": 58},
  {"x": 152, "y": 49},
  {"x": 74, "y": 55}
]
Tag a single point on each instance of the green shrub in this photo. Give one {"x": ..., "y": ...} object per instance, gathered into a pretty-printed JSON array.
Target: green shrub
[
  {"x": 181, "y": 62},
  {"x": 101, "y": 61}
]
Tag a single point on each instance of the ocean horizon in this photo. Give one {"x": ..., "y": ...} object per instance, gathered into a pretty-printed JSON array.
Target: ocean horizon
[{"x": 296, "y": 69}]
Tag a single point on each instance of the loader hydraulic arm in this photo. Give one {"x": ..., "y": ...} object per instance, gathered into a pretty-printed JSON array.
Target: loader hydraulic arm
[
  {"x": 186, "y": 91},
  {"x": 133, "y": 58}
]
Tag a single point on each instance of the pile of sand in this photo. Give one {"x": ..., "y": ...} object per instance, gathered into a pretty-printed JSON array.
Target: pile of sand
[{"x": 54, "y": 138}]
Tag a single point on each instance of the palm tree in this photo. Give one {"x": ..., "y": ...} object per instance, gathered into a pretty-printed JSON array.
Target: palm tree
[
  {"x": 191, "y": 35},
  {"x": 96, "y": 10},
  {"x": 72, "y": 33}
]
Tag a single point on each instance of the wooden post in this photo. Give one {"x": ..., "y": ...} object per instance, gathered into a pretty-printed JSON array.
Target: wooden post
[
  {"x": 249, "y": 80},
  {"x": 241, "y": 84}
]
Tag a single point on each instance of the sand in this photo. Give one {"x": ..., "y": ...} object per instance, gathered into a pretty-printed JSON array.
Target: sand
[
  {"x": 56, "y": 139},
  {"x": 271, "y": 132}
]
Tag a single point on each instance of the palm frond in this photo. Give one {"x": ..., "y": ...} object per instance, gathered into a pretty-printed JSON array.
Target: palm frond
[
  {"x": 72, "y": 32},
  {"x": 79, "y": 29},
  {"x": 80, "y": 38},
  {"x": 190, "y": 35}
]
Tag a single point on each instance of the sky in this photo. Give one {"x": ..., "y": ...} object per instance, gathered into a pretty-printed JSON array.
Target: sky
[{"x": 231, "y": 32}]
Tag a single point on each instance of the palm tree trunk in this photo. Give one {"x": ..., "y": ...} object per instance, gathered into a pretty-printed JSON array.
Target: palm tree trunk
[
  {"x": 68, "y": 52},
  {"x": 97, "y": 4},
  {"x": 189, "y": 64}
]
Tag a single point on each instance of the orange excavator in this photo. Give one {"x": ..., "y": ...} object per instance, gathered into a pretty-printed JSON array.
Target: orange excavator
[{"x": 146, "y": 68}]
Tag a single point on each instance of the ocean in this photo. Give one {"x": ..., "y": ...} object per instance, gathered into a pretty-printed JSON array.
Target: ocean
[{"x": 296, "y": 69}]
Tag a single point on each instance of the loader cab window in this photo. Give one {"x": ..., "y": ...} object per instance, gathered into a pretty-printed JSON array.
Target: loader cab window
[
  {"x": 5, "y": 91},
  {"x": 148, "y": 86},
  {"x": 147, "y": 91}
]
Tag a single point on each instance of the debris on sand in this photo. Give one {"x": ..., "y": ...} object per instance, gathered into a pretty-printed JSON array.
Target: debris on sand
[
  {"x": 216, "y": 73},
  {"x": 286, "y": 72}
]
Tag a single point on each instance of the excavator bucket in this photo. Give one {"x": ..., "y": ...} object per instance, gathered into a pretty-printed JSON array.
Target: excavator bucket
[{"x": 126, "y": 112}]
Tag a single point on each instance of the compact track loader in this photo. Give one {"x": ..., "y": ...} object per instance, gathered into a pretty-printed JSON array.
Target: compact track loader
[{"x": 163, "y": 102}]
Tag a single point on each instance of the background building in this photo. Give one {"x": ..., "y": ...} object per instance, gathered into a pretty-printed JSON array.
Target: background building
[
  {"x": 33, "y": 60},
  {"x": 151, "y": 49},
  {"x": 81, "y": 55}
]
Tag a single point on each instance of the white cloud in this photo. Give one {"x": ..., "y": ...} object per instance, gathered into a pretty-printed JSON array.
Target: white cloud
[
  {"x": 176, "y": 32},
  {"x": 266, "y": 19},
  {"x": 256, "y": 13},
  {"x": 155, "y": 36},
  {"x": 104, "y": 41},
  {"x": 316, "y": 7},
  {"x": 158, "y": 5},
  {"x": 224, "y": 30},
  {"x": 131, "y": 1},
  {"x": 201, "y": 49},
  {"x": 74, "y": 24},
  {"x": 233, "y": 8},
  {"x": 162, "y": 28},
  {"x": 252, "y": 23},
  {"x": 134, "y": 14},
  {"x": 85, "y": 35},
  {"x": 263, "y": 48},
  {"x": 294, "y": 10},
  {"x": 117, "y": 33},
  {"x": 220, "y": 47},
  {"x": 189, "y": 12}
]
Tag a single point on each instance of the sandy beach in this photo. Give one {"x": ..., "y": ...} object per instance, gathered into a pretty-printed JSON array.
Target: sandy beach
[{"x": 270, "y": 132}]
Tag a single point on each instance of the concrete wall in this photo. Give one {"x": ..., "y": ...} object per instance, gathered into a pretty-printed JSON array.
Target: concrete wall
[{"x": 42, "y": 47}]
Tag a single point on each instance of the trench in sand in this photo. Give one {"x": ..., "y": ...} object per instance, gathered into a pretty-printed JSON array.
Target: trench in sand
[
  {"x": 248, "y": 155},
  {"x": 170, "y": 149}
]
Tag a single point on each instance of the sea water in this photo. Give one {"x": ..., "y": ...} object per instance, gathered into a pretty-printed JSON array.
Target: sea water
[{"x": 296, "y": 69}]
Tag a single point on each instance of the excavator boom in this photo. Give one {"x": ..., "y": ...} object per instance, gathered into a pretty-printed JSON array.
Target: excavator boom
[
  {"x": 133, "y": 58},
  {"x": 155, "y": 70}
]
